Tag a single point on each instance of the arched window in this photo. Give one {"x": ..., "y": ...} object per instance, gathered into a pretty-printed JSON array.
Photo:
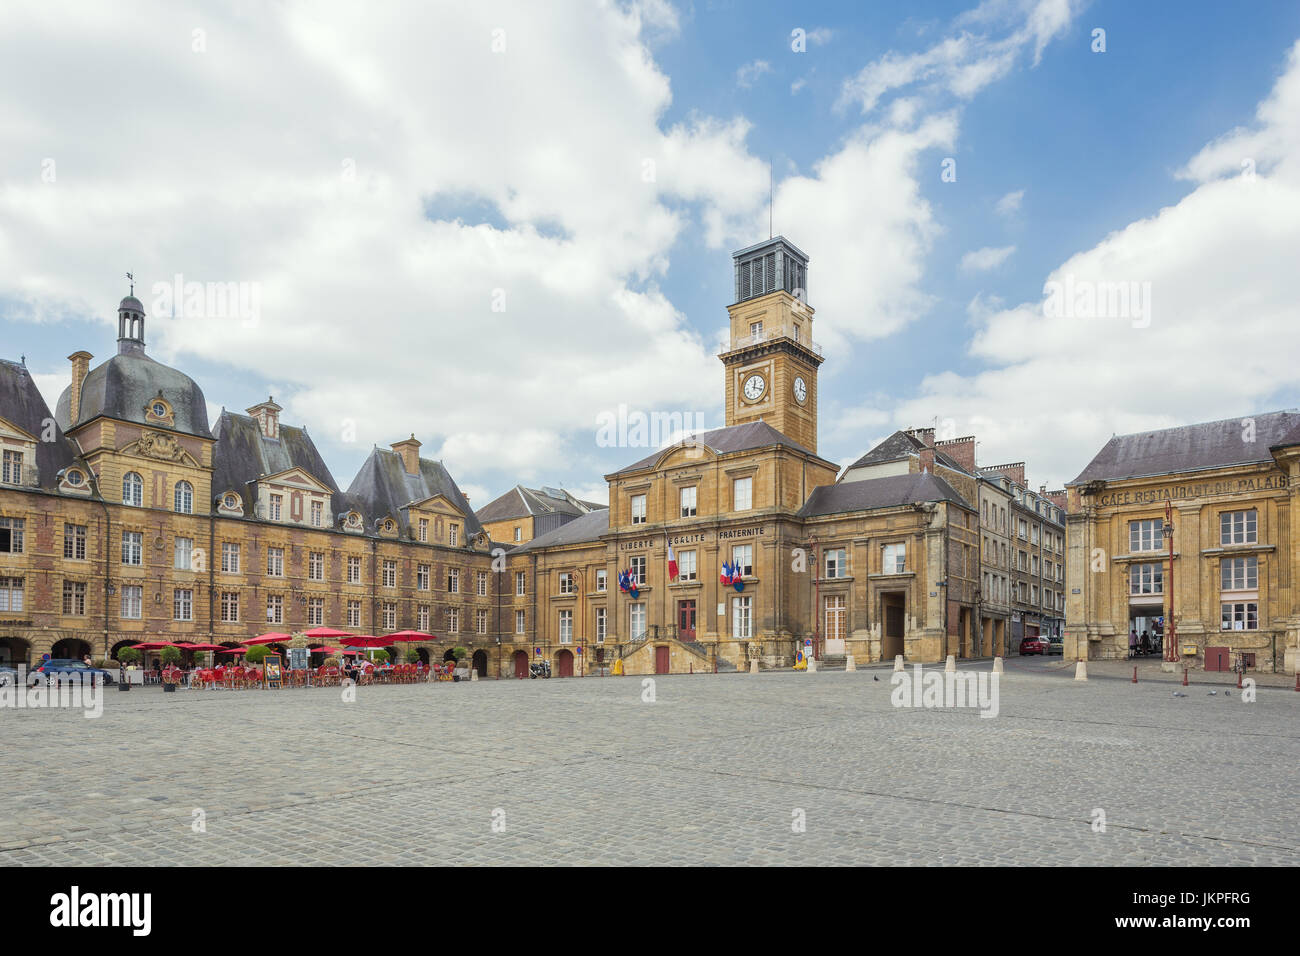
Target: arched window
[
  {"x": 184, "y": 498},
  {"x": 132, "y": 489}
]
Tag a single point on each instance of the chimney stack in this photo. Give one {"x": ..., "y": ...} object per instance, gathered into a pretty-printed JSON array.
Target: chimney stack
[
  {"x": 925, "y": 435},
  {"x": 960, "y": 450},
  {"x": 80, "y": 366},
  {"x": 927, "y": 460},
  {"x": 409, "y": 449}
]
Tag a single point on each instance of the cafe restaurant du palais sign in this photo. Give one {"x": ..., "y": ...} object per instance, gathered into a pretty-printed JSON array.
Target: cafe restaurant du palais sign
[
  {"x": 693, "y": 537},
  {"x": 1205, "y": 489}
]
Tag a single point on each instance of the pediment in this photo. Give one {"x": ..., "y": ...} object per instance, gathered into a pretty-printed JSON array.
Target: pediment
[
  {"x": 437, "y": 504},
  {"x": 296, "y": 478},
  {"x": 12, "y": 432},
  {"x": 684, "y": 453}
]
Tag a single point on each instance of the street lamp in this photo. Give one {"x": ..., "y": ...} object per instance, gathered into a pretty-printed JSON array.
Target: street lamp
[{"x": 1171, "y": 629}]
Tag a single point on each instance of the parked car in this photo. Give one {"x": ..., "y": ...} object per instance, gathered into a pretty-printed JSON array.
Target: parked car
[
  {"x": 1056, "y": 646},
  {"x": 57, "y": 670},
  {"x": 1033, "y": 645}
]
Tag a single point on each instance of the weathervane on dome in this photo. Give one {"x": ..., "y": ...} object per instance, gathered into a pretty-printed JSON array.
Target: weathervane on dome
[{"x": 132, "y": 278}]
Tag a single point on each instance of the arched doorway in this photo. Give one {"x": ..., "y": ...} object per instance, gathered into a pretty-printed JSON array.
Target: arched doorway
[
  {"x": 424, "y": 655},
  {"x": 119, "y": 646},
  {"x": 14, "y": 651},
  {"x": 564, "y": 664},
  {"x": 449, "y": 656},
  {"x": 70, "y": 648},
  {"x": 521, "y": 664},
  {"x": 479, "y": 663}
]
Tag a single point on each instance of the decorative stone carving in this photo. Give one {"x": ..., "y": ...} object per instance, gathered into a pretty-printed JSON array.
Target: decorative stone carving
[{"x": 160, "y": 446}]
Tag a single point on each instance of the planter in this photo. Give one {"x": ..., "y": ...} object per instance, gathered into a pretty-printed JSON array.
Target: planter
[
  {"x": 123, "y": 685},
  {"x": 169, "y": 688}
]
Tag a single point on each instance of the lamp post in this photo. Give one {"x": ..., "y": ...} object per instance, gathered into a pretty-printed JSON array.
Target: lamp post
[{"x": 1171, "y": 629}]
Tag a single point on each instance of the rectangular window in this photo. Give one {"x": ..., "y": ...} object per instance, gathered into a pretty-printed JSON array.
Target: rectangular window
[
  {"x": 183, "y": 554},
  {"x": 390, "y": 574},
  {"x": 1146, "y": 535},
  {"x": 132, "y": 602},
  {"x": 230, "y": 605},
  {"x": 133, "y": 547},
  {"x": 315, "y": 612},
  {"x": 519, "y": 534},
  {"x": 481, "y": 584},
  {"x": 688, "y": 566},
  {"x": 74, "y": 598},
  {"x": 742, "y": 623},
  {"x": 422, "y": 577},
  {"x": 521, "y": 583},
  {"x": 229, "y": 557},
  {"x": 742, "y": 556},
  {"x": 894, "y": 560},
  {"x": 454, "y": 533},
  {"x": 600, "y": 580},
  {"x": 424, "y": 529},
  {"x": 636, "y": 619},
  {"x": 480, "y": 621},
  {"x": 277, "y": 505},
  {"x": 638, "y": 509},
  {"x": 354, "y": 572},
  {"x": 390, "y": 616},
  {"x": 566, "y": 627},
  {"x": 519, "y": 622},
  {"x": 274, "y": 609},
  {"x": 1239, "y": 574},
  {"x": 600, "y": 625},
  {"x": 453, "y": 620},
  {"x": 354, "y": 614},
  {"x": 317, "y": 514},
  {"x": 316, "y": 566},
  {"x": 1033, "y": 534},
  {"x": 11, "y": 535},
  {"x": 453, "y": 581},
  {"x": 11, "y": 472},
  {"x": 422, "y": 617},
  {"x": 688, "y": 502},
  {"x": 1146, "y": 579},
  {"x": 1240, "y": 616},
  {"x": 637, "y": 567},
  {"x": 275, "y": 562},
  {"x": 1239, "y": 527},
  {"x": 755, "y": 328},
  {"x": 11, "y": 594},
  {"x": 74, "y": 542},
  {"x": 567, "y": 583},
  {"x": 742, "y": 494},
  {"x": 836, "y": 563},
  {"x": 183, "y": 604}
]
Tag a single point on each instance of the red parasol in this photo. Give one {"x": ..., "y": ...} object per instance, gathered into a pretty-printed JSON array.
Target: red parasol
[
  {"x": 233, "y": 650},
  {"x": 366, "y": 640},
  {"x": 271, "y": 638},
  {"x": 325, "y": 633},
  {"x": 411, "y": 637}
]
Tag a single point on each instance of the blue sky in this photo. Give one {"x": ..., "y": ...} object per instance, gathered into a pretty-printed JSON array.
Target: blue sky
[{"x": 480, "y": 170}]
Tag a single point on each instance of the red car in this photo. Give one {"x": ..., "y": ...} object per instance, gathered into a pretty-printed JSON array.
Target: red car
[{"x": 1033, "y": 645}]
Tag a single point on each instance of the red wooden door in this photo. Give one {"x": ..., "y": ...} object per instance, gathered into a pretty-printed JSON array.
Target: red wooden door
[
  {"x": 685, "y": 620},
  {"x": 661, "y": 660},
  {"x": 565, "y": 662},
  {"x": 521, "y": 665},
  {"x": 1216, "y": 659}
]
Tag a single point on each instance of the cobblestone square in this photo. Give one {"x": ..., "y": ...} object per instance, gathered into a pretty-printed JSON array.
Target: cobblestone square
[{"x": 716, "y": 770}]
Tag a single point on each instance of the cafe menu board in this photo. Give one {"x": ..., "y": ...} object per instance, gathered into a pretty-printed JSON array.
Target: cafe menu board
[
  {"x": 298, "y": 658},
  {"x": 273, "y": 671}
]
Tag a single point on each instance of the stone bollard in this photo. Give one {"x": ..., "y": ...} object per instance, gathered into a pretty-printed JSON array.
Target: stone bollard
[
  {"x": 812, "y": 665},
  {"x": 850, "y": 664},
  {"x": 753, "y": 665},
  {"x": 1080, "y": 671},
  {"x": 997, "y": 665},
  {"x": 473, "y": 674},
  {"x": 950, "y": 666},
  {"x": 898, "y": 662}
]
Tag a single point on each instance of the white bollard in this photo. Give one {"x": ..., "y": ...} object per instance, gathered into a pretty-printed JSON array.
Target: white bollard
[
  {"x": 812, "y": 665},
  {"x": 473, "y": 674},
  {"x": 850, "y": 664},
  {"x": 753, "y": 665},
  {"x": 1081, "y": 671},
  {"x": 997, "y": 665},
  {"x": 950, "y": 666},
  {"x": 898, "y": 662}
]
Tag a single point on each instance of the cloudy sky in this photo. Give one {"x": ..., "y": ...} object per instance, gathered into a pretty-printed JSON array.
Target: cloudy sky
[{"x": 1038, "y": 221}]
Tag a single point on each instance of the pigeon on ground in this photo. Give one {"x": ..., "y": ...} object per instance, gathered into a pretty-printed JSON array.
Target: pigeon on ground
[
  {"x": 1213, "y": 692},
  {"x": 874, "y": 677},
  {"x": 1179, "y": 694}
]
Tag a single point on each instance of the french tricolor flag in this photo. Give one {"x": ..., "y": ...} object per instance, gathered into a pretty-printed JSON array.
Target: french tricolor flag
[{"x": 672, "y": 564}]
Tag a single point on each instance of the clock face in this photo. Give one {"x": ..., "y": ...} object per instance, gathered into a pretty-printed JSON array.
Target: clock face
[
  {"x": 800, "y": 389},
  {"x": 754, "y": 387}
]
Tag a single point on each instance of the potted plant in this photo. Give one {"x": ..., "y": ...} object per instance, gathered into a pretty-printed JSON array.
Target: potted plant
[
  {"x": 412, "y": 657},
  {"x": 171, "y": 657},
  {"x": 257, "y": 654},
  {"x": 381, "y": 656},
  {"x": 127, "y": 656}
]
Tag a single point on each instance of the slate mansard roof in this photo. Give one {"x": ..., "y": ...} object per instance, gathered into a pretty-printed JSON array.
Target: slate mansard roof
[
  {"x": 124, "y": 386},
  {"x": 382, "y": 487},
  {"x": 521, "y": 502},
  {"x": 889, "y": 492},
  {"x": 901, "y": 445},
  {"x": 588, "y": 527},
  {"x": 1193, "y": 447},
  {"x": 243, "y": 455},
  {"x": 22, "y": 405},
  {"x": 728, "y": 439}
]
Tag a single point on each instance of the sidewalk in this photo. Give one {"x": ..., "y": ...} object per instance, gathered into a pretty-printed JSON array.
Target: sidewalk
[{"x": 1148, "y": 669}]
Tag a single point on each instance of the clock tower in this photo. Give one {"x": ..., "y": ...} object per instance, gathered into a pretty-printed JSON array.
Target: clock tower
[{"x": 771, "y": 360}]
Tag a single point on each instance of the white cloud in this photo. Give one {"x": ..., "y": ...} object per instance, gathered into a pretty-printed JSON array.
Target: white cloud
[
  {"x": 1010, "y": 203},
  {"x": 982, "y": 260},
  {"x": 748, "y": 74},
  {"x": 820, "y": 36},
  {"x": 1223, "y": 330}
]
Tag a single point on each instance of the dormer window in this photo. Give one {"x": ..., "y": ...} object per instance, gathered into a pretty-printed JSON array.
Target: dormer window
[
  {"x": 75, "y": 478},
  {"x": 159, "y": 409}
]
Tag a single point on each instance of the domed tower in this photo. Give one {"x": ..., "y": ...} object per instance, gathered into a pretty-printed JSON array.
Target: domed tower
[{"x": 142, "y": 426}]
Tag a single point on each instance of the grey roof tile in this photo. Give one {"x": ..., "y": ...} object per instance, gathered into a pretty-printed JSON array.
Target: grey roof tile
[
  {"x": 728, "y": 439},
  {"x": 888, "y": 492},
  {"x": 22, "y": 404},
  {"x": 588, "y": 527}
]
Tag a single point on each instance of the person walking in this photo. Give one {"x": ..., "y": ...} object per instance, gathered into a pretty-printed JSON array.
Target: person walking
[{"x": 1132, "y": 642}]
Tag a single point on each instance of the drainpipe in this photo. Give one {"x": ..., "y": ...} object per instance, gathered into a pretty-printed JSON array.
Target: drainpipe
[{"x": 108, "y": 577}]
